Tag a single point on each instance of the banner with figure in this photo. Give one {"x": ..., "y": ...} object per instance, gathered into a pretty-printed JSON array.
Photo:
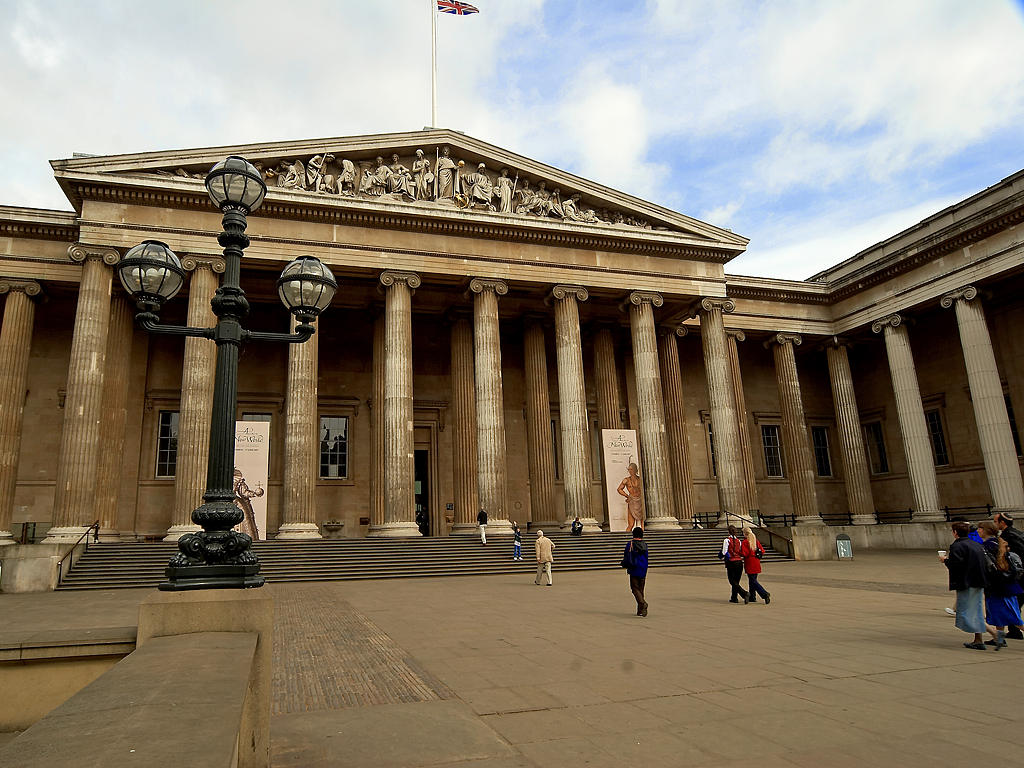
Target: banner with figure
[
  {"x": 252, "y": 467},
  {"x": 624, "y": 487}
]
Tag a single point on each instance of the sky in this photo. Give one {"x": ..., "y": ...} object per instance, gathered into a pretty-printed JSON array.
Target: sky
[{"x": 816, "y": 128}]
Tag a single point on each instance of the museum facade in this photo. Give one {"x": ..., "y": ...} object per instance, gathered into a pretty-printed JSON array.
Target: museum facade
[{"x": 494, "y": 317}]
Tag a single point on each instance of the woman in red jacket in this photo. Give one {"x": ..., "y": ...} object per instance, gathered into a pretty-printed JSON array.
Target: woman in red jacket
[{"x": 752, "y": 551}]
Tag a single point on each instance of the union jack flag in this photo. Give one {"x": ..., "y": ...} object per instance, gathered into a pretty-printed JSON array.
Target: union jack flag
[{"x": 456, "y": 7}]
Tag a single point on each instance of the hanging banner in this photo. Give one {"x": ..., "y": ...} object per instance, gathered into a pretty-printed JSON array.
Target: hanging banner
[
  {"x": 624, "y": 487},
  {"x": 252, "y": 467}
]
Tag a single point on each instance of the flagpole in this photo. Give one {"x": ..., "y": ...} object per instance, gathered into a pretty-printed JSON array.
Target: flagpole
[{"x": 433, "y": 63}]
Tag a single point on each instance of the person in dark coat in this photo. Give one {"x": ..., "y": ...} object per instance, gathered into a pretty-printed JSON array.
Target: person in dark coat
[
  {"x": 1001, "y": 607},
  {"x": 730, "y": 554},
  {"x": 576, "y": 529},
  {"x": 481, "y": 520},
  {"x": 966, "y": 563},
  {"x": 517, "y": 542},
  {"x": 1015, "y": 541},
  {"x": 634, "y": 560}
]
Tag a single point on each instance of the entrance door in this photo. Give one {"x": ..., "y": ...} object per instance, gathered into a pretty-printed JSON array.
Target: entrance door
[{"x": 422, "y": 486}]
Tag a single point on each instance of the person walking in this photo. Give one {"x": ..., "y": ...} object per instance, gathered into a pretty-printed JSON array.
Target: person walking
[
  {"x": 1004, "y": 568},
  {"x": 517, "y": 542},
  {"x": 730, "y": 554},
  {"x": 751, "y": 551},
  {"x": 545, "y": 557},
  {"x": 481, "y": 520},
  {"x": 965, "y": 561},
  {"x": 634, "y": 560},
  {"x": 1015, "y": 541}
]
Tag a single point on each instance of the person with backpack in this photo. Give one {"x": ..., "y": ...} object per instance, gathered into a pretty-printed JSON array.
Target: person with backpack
[
  {"x": 730, "y": 554},
  {"x": 1004, "y": 571},
  {"x": 752, "y": 552},
  {"x": 967, "y": 568},
  {"x": 634, "y": 560},
  {"x": 1015, "y": 541}
]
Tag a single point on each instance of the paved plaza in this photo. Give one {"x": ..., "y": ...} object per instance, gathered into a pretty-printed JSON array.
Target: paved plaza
[{"x": 852, "y": 664}]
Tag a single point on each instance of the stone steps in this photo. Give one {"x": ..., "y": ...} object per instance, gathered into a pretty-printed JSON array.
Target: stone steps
[{"x": 114, "y": 566}]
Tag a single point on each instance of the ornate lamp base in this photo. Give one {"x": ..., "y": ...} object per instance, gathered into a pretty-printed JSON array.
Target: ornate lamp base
[
  {"x": 213, "y": 560},
  {"x": 234, "y": 576}
]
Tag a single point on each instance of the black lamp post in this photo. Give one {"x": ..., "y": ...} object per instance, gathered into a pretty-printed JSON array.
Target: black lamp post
[{"x": 218, "y": 557}]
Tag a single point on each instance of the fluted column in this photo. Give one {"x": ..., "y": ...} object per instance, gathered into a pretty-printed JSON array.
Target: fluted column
[
  {"x": 195, "y": 411},
  {"x": 538, "y": 429},
  {"x": 851, "y": 436},
  {"x": 572, "y": 405},
  {"x": 464, "y": 427},
  {"x": 654, "y": 466},
  {"x": 301, "y": 442},
  {"x": 75, "y": 491},
  {"x": 115, "y": 415},
  {"x": 675, "y": 422},
  {"x": 377, "y": 453},
  {"x": 399, "y": 475},
  {"x": 997, "y": 449},
  {"x": 732, "y": 495},
  {"x": 913, "y": 427},
  {"x": 742, "y": 420},
  {"x": 492, "y": 471},
  {"x": 607, "y": 379},
  {"x": 15, "y": 347},
  {"x": 795, "y": 442}
]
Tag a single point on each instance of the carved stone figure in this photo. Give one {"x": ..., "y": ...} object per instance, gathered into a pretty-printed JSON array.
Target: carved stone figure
[
  {"x": 316, "y": 173},
  {"x": 478, "y": 188},
  {"x": 570, "y": 211},
  {"x": 347, "y": 178},
  {"x": 553, "y": 207},
  {"x": 376, "y": 181},
  {"x": 541, "y": 198},
  {"x": 289, "y": 175},
  {"x": 423, "y": 177},
  {"x": 525, "y": 197},
  {"x": 367, "y": 180},
  {"x": 446, "y": 181},
  {"x": 400, "y": 179},
  {"x": 503, "y": 191}
]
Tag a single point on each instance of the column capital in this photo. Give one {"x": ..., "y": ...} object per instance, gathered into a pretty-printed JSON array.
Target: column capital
[
  {"x": 28, "y": 287},
  {"x": 784, "y": 338},
  {"x": 835, "y": 342},
  {"x": 708, "y": 303},
  {"x": 679, "y": 330},
  {"x": 560, "y": 292},
  {"x": 892, "y": 321},
  {"x": 639, "y": 298},
  {"x": 482, "y": 284},
  {"x": 195, "y": 261},
  {"x": 736, "y": 333},
  {"x": 389, "y": 278},
  {"x": 967, "y": 293},
  {"x": 80, "y": 253}
]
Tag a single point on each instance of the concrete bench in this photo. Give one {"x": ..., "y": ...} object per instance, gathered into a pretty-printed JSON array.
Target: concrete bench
[{"x": 175, "y": 701}]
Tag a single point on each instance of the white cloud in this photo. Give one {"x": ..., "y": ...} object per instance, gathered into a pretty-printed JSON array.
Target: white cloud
[{"x": 30, "y": 34}]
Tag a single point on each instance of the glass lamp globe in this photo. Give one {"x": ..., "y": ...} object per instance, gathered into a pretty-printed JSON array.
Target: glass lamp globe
[
  {"x": 306, "y": 287},
  {"x": 151, "y": 273},
  {"x": 235, "y": 181}
]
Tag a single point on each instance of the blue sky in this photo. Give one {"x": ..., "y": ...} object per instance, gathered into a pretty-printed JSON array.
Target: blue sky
[{"x": 814, "y": 128}]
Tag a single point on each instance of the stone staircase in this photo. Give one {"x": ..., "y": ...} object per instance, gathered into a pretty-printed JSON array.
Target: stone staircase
[{"x": 114, "y": 566}]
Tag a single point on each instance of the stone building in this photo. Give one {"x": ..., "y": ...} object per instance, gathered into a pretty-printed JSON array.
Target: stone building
[{"x": 493, "y": 315}]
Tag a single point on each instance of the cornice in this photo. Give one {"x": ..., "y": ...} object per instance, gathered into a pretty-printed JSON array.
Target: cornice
[
  {"x": 66, "y": 232},
  {"x": 769, "y": 293}
]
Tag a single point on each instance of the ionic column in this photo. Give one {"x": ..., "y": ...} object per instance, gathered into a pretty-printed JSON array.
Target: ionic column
[
  {"x": 796, "y": 447},
  {"x": 732, "y": 495},
  {"x": 15, "y": 346},
  {"x": 464, "y": 427},
  {"x": 492, "y": 471},
  {"x": 851, "y": 436},
  {"x": 1001, "y": 466},
  {"x": 377, "y": 452},
  {"x": 115, "y": 415},
  {"x": 675, "y": 422},
  {"x": 742, "y": 428},
  {"x": 913, "y": 427},
  {"x": 194, "y": 412},
  {"x": 75, "y": 492},
  {"x": 538, "y": 429},
  {"x": 572, "y": 405},
  {"x": 399, "y": 469},
  {"x": 301, "y": 442},
  {"x": 653, "y": 441}
]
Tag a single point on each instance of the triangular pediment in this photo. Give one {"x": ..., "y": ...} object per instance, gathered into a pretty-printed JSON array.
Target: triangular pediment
[{"x": 436, "y": 170}]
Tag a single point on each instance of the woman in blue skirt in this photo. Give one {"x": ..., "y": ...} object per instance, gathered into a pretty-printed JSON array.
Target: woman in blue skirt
[{"x": 1001, "y": 608}]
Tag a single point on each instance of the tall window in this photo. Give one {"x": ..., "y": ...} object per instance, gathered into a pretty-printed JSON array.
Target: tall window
[
  {"x": 1013, "y": 424},
  {"x": 167, "y": 444},
  {"x": 874, "y": 444},
  {"x": 772, "y": 444},
  {"x": 822, "y": 460},
  {"x": 334, "y": 447},
  {"x": 938, "y": 437},
  {"x": 711, "y": 451}
]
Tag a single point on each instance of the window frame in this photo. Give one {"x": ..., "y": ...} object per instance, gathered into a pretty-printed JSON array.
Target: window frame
[
  {"x": 334, "y": 414},
  {"x": 885, "y": 468},
  {"x": 777, "y": 427},
  {"x": 822, "y": 429},
  {"x": 175, "y": 425},
  {"x": 939, "y": 421}
]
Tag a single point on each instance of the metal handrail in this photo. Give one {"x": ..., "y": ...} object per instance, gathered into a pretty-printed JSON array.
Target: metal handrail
[
  {"x": 771, "y": 534},
  {"x": 95, "y": 529},
  {"x": 947, "y": 509}
]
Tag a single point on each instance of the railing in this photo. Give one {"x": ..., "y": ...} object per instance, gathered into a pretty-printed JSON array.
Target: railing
[
  {"x": 897, "y": 516},
  {"x": 27, "y": 534},
  {"x": 838, "y": 518},
  {"x": 951, "y": 517},
  {"x": 705, "y": 519},
  {"x": 786, "y": 519},
  {"x": 94, "y": 529},
  {"x": 772, "y": 535}
]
